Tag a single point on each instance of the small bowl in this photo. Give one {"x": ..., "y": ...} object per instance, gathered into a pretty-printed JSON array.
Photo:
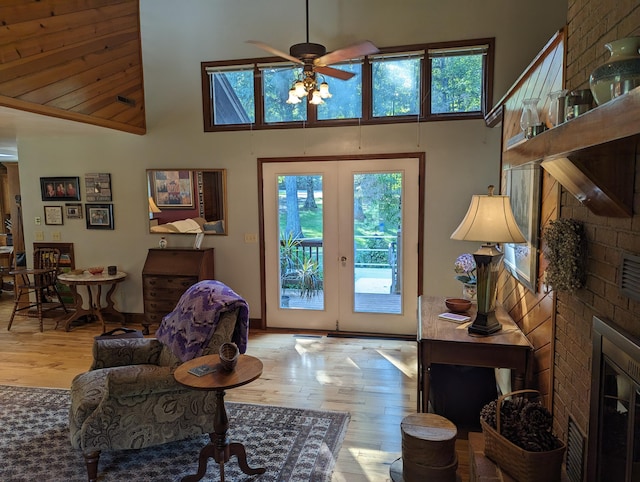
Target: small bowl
[
  {"x": 457, "y": 305},
  {"x": 96, "y": 269}
]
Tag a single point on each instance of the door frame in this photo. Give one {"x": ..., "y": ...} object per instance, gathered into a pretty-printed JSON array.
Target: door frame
[{"x": 419, "y": 156}]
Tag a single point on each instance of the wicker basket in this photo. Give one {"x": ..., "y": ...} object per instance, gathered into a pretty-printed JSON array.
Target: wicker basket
[
  {"x": 522, "y": 465},
  {"x": 229, "y": 354}
]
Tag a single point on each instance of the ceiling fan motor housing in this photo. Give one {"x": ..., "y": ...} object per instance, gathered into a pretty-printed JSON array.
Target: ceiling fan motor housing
[{"x": 307, "y": 50}]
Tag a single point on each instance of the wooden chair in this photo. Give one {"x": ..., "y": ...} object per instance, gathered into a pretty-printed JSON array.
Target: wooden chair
[{"x": 37, "y": 287}]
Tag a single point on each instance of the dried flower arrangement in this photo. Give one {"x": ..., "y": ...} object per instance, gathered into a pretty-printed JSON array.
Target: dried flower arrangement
[{"x": 566, "y": 252}]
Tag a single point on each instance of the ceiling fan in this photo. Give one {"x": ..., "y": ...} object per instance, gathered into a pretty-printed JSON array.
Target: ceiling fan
[{"x": 315, "y": 59}]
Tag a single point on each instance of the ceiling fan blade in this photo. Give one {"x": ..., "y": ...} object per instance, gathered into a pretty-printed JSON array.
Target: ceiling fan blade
[
  {"x": 274, "y": 51},
  {"x": 347, "y": 53},
  {"x": 331, "y": 72}
]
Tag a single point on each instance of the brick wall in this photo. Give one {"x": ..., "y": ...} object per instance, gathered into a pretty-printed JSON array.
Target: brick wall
[{"x": 591, "y": 24}]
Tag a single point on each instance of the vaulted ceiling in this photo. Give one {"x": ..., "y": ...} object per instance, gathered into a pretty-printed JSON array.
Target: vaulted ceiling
[{"x": 79, "y": 61}]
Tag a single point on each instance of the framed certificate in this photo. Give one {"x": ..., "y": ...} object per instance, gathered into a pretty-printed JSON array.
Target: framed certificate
[{"x": 53, "y": 215}]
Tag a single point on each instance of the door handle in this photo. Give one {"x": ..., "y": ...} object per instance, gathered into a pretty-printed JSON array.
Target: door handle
[{"x": 343, "y": 260}]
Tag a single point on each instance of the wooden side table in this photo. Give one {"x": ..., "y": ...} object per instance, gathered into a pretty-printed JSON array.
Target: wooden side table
[
  {"x": 95, "y": 309},
  {"x": 441, "y": 341},
  {"x": 247, "y": 370}
]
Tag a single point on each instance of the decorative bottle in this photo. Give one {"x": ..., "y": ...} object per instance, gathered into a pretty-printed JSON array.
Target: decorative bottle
[
  {"x": 556, "y": 107},
  {"x": 620, "y": 74},
  {"x": 163, "y": 242},
  {"x": 529, "y": 117}
]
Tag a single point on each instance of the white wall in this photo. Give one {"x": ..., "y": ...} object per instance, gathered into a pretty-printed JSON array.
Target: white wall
[{"x": 462, "y": 157}]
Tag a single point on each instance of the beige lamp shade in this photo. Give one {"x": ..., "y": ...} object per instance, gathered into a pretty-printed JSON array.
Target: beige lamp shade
[
  {"x": 489, "y": 220},
  {"x": 153, "y": 207}
]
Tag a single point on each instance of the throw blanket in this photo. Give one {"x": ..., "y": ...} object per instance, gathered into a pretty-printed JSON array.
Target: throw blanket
[{"x": 188, "y": 329}]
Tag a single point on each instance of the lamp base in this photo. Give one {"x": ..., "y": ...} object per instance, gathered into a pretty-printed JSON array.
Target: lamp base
[{"x": 485, "y": 324}]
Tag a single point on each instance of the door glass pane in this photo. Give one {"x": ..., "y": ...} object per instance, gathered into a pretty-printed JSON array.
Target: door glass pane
[
  {"x": 377, "y": 219},
  {"x": 301, "y": 254}
]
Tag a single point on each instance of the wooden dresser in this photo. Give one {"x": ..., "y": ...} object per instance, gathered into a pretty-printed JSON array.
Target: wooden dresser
[{"x": 167, "y": 274}]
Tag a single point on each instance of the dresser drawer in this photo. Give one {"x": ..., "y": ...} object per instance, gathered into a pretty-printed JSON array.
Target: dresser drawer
[
  {"x": 159, "y": 305},
  {"x": 153, "y": 318},
  {"x": 172, "y": 283}
]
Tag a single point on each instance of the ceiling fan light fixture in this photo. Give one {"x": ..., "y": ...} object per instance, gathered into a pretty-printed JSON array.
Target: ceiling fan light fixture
[
  {"x": 324, "y": 91},
  {"x": 316, "y": 98},
  {"x": 299, "y": 89},
  {"x": 293, "y": 98}
]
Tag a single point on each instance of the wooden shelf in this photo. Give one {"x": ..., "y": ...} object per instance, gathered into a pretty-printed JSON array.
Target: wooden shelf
[{"x": 592, "y": 156}]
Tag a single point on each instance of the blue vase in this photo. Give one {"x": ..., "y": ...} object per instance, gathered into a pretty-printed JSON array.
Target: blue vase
[{"x": 620, "y": 74}]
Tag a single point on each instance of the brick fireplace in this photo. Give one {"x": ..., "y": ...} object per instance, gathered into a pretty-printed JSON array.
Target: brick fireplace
[
  {"x": 613, "y": 453},
  {"x": 592, "y": 23}
]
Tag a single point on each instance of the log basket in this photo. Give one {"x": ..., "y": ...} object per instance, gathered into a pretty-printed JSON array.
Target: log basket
[{"x": 523, "y": 465}]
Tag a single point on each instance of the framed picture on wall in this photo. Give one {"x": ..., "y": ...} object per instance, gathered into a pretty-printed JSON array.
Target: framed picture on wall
[
  {"x": 523, "y": 188},
  {"x": 53, "y": 215},
  {"x": 97, "y": 187},
  {"x": 60, "y": 188},
  {"x": 99, "y": 216},
  {"x": 74, "y": 211},
  {"x": 173, "y": 189}
]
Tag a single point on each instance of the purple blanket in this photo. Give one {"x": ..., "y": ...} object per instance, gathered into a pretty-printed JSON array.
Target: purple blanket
[{"x": 188, "y": 329}]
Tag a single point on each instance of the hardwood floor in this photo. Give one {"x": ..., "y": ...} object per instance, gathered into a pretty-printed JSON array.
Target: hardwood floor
[{"x": 372, "y": 379}]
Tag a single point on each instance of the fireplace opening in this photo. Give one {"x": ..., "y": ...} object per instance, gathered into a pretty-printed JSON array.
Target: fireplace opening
[{"x": 614, "y": 421}]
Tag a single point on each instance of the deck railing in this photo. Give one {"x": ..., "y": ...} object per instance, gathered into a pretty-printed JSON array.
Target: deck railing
[{"x": 386, "y": 255}]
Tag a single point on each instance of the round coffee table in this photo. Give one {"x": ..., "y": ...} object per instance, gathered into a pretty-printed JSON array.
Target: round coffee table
[{"x": 247, "y": 370}]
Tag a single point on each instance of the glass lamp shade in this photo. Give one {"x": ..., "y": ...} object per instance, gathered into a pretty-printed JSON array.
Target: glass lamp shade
[
  {"x": 299, "y": 89},
  {"x": 293, "y": 98},
  {"x": 324, "y": 90},
  {"x": 316, "y": 98}
]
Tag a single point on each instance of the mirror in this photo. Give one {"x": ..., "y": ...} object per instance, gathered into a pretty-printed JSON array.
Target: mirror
[{"x": 187, "y": 201}]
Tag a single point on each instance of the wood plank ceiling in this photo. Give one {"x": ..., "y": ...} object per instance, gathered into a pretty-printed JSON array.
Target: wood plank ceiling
[{"x": 74, "y": 59}]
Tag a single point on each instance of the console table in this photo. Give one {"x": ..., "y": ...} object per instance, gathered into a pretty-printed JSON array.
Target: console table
[
  {"x": 441, "y": 341},
  {"x": 167, "y": 274}
]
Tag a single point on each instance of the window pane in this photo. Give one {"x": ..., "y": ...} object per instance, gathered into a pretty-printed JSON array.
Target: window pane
[
  {"x": 396, "y": 87},
  {"x": 276, "y": 85},
  {"x": 456, "y": 84},
  {"x": 233, "y": 101},
  {"x": 346, "y": 95}
]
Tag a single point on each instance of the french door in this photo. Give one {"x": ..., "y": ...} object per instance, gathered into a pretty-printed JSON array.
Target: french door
[{"x": 341, "y": 244}]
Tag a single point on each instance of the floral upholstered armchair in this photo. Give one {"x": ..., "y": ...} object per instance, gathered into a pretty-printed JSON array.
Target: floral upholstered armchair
[{"x": 129, "y": 398}]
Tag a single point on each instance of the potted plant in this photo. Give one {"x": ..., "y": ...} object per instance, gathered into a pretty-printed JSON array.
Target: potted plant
[
  {"x": 465, "y": 268},
  {"x": 309, "y": 279},
  {"x": 289, "y": 261},
  {"x": 297, "y": 271}
]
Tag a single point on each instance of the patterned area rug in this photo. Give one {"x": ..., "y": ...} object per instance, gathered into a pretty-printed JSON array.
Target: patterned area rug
[{"x": 294, "y": 445}]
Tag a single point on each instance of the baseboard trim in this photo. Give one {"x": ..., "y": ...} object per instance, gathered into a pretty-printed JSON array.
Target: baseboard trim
[{"x": 361, "y": 334}]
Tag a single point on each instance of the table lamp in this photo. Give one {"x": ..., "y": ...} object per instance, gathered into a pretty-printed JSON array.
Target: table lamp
[
  {"x": 153, "y": 208},
  {"x": 490, "y": 220}
]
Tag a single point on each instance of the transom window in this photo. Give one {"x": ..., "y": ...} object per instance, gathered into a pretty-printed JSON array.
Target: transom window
[{"x": 444, "y": 81}]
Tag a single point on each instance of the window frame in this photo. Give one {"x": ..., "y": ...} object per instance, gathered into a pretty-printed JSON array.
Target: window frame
[{"x": 367, "y": 118}]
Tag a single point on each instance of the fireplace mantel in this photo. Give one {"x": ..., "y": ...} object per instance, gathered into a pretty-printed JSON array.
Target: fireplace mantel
[{"x": 592, "y": 156}]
